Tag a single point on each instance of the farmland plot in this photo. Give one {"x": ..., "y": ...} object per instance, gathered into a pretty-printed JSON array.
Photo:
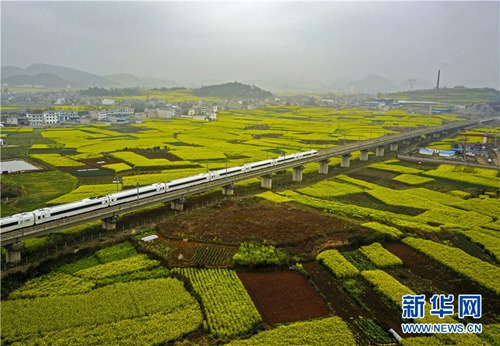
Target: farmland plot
[
  {"x": 282, "y": 297},
  {"x": 23, "y": 319},
  {"x": 229, "y": 310},
  {"x": 318, "y": 332}
]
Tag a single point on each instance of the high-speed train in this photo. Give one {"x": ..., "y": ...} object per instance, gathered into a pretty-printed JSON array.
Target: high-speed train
[{"x": 47, "y": 214}]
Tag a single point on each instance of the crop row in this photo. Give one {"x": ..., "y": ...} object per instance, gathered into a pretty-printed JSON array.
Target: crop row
[
  {"x": 337, "y": 264},
  {"x": 357, "y": 182},
  {"x": 139, "y": 161},
  {"x": 360, "y": 261},
  {"x": 329, "y": 189},
  {"x": 84, "y": 191},
  {"x": 228, "y": 308},
  {"x": 481, "y": 272},
  {"x": 464, "y": 177},
  {"x": 412, "y": 179},
  {"x": 486, "y": 206},
  {"x": 116, "y": 252},
  {"x": 100, "y": 306},
  {"x": 372, "y": 330},
  {"x": 118, "y": 167},
  {"x": 53, "y": 284},
  {"x": 398, "y": 220},
  {"x": 380, "y": 256},
  {"x": 212, "y": 256},
  {"x": 489, "y": 241},
  {"x": 274, "y": 197},
  {"x": 390, "y": 231},
  {"x": 117, "y": 268},
  {"x": 258, "y": 254},
  {"x": 155, "y": 329},
  {"x": 327, "y": 331},
  {"x": 436, "y": 212},
  {"x": 57, "y": 160},
  {"x": 395, "y": 168},
  {"x": 387, "y": 285}
]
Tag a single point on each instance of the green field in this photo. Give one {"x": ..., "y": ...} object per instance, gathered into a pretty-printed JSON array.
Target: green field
[
  {"x": 322, "y": 261},
  {"x": 164, "y": 149}
]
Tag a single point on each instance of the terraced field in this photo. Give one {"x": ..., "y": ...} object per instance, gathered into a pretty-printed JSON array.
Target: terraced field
[{"x": 395, "y": 227}]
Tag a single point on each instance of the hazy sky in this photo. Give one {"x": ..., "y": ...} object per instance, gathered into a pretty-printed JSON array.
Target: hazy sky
[{"x": 323, "y": 41}]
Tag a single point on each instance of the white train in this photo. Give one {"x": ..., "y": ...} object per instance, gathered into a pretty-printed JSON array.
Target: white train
[{"x": 47, "y": 214}]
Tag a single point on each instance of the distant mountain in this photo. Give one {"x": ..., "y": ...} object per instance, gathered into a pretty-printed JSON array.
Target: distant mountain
[
  {"x": 70, "y": 74},
  {"x": 371, "y": 84},
  {"x": 157, "y": 83},
  {"x": 60, "y": 77},
  {"x": 10, "y": 71},
  {"x": 49, "y": 80},
  {"x": 131, "y": 81},
  {"x": 234, "y": 89},
  {"x": 125, "y": 79}
]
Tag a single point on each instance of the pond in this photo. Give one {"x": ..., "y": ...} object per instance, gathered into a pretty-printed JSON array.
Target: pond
[{"x": 17, "y": 166}]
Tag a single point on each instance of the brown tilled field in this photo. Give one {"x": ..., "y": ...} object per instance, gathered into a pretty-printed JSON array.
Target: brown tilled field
[
  {"x": 300, "y": 230},
  {"x": 283, "y": 297}
]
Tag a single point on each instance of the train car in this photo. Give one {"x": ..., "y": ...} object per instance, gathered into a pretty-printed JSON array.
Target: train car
[
  {"x": 307, "y": 154},
  {"x": 283, "y": 159},
  {"x": 188, "y": 182},
  {"x": 137, "y": 193},
  {"x": 227, "y": 173},
  {"x": 70, "y": 209},
  {"x": 16, "y": 221},
  {"x": 261, "y": 164}
]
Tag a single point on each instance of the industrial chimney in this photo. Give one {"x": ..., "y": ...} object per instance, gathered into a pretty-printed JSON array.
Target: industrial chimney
[{"x": 437, "y": 86}]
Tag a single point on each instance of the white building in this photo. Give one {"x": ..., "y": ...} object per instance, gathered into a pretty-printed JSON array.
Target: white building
[
  {"x": 121, "y": 111},
  {"x": 35, "y": 119},
  {"x": 71, "y": 116},
  {"x": 107, "y": 102}
]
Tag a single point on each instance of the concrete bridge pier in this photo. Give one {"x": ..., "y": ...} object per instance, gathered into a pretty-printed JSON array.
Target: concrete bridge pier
[
  {"x": 13, "y": 252},
  {"x": 109, "y": 223},
  {"x": 379, "y": 151},
  {"x": 323, "y": 166},
  {"x": 297, "y": 173},
  {"x": 346, "y": 160},
  {"x": 228, "y": 190},
  {"x": 393, "y": 147},
  {"x": 363, "y": 155},
  {"x": 178, "y": 204},
  {"x": 266, "y": 181}
]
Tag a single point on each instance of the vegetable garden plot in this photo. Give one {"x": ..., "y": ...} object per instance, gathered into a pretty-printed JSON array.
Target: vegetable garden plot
[
  {"x": 213, "y": 256},
  {"x": 283, "y": 297},
  {"x": 445, "y": 279},
  {"x": 485, "y": 274},
  {"x": 353, "y": 297},
  {"x": 229, "y": 310}
]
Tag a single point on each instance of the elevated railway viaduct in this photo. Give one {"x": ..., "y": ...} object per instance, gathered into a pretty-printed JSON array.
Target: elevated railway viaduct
[{"x": 12, "y": 240}]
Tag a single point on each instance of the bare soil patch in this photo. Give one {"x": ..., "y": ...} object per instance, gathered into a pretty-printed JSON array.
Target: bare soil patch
[
  {"x": 301, "y": 230},
  {"x": 282, "y": 297},
  {"x": 379, "y": 177},
  {"x": 98, "y": 162}
]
